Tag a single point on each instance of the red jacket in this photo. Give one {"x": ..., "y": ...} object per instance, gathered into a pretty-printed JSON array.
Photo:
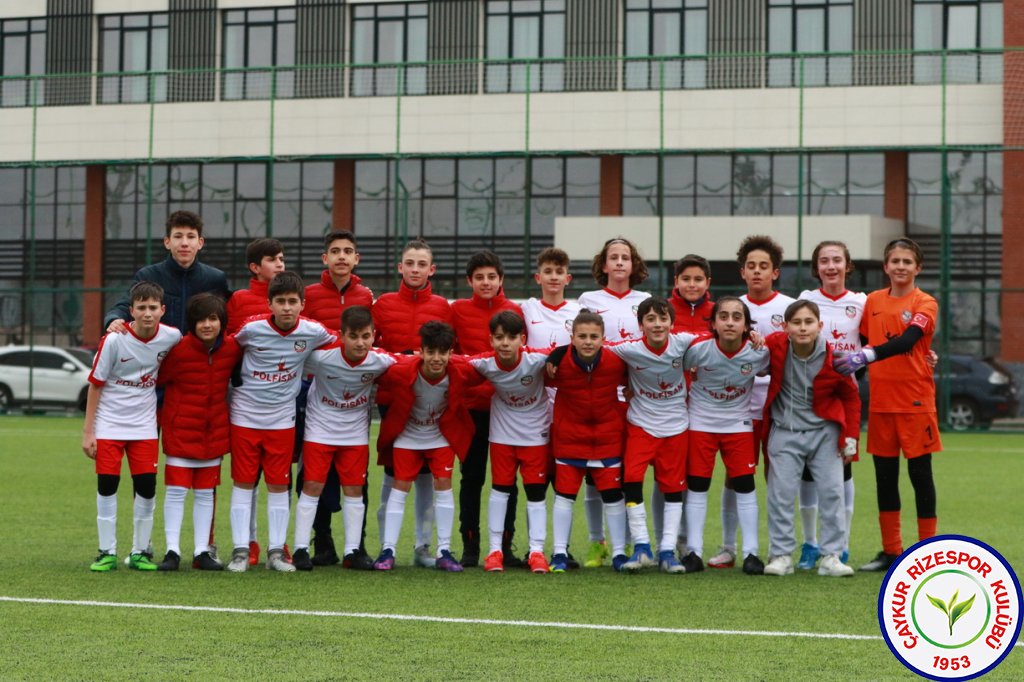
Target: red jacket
[
  {"x": 194, "y": 417},
  {"x": 695, "y": 319},
  {"x": 246, "y": 303},
  {"x": 835, "y": 399},
  {"x": 399, "y": 315},
  {"x": 589, "y": 420},
  {"x": 455, "y": 424},
  {"x": 325, "y": 302},
  {"x": 471, "y": 318}
]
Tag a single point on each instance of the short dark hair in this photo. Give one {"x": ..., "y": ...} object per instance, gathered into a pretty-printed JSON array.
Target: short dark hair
[
  {"x": 692, "y": 260},
  {"x": 639, "y": 273},
  {"x": 553, "y": 255},
  {"x": 201, "y": 306},
  {"x": 722, "y": 300},
  {"x": 183, "y": 219},
  {"x": 658, "y": 305},
  {"x": 760, "y": 242},
  {"x": 587, "y": 316},
  {"x": 507, "y": 321},
  {"x": 355, "y": 318},
  {"x": 258, "y": 249},
  {"x": 437, "y": 335},
  {"x": 796, "y": 306},
  {"x": 334, "y": 236},
  {"x": 484, "y": 259},
  {"x": 904, "y": 243},
  {"x": 817, "y": 251},
  {"x": 417, "y": 244},
  {"x": 142, "y": 291},
  {"x": 286, "y": 283}
]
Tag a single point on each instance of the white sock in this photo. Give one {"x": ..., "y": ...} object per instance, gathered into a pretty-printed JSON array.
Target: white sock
[
  {"x": 143, "y": 517},
  {"x": 657, "y": 511},
  {"x": 202, "y": 520},
  {"x": 174, "y": 512},
  {"x": 615, "y": 512},
  {"x": 496, "y": 508},
  {"x": 106, "y": 522},
  {"x": 444, "y": 512},
  {"x": 594, "y": 509},
  {"x": 746, "y": 508},
  {"x": 809, "y": 511},
  {"x": 696, "y": 514},
  {"x": 305, "y": 512},
  {"x": 352, "y": 512},
  {"x": 241, "y": 516},
  {"x": 424, "y": 508},
  {"x": 387, "y": 484},
  {"x": 253, "y": 516},
  {"x": 277, "y": 519},
  {"x": 393, "y": 517},
  {"x": 637, "y": 515},
  {"x": 672, "y": 520},
  {"x": 848, "y": 493},
  {"x": 537, "y": 524},
  {"x": 729, "y": 518},
  {"x": 561, "y": 517}
]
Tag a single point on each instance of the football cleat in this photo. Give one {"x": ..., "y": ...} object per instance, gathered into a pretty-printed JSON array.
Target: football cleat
[
  {"x": 693, "y": 563},
  {"x": 845, "y": 556},
  {"x": 619, "y": 562},
  {"x": 104, "y": 562},
  {"x": 779, "y": 565},
  {"x": 254, "y": 553},
  {"x": 753, "y": 565},
  {"x": 447, "y": 562},
  {"x": 204, "y": 561},
  {"x": 642, "y": 558},
  {"x": 537, "y": 563},
  {"x": 494, "y": 562},
  {"x": 301, "y": 560},
  {"x": 140, "y": 562},
  {"x": 358, "y": 560},
  {"x": 726, "y": 558},
  {"x": 559, "y": 563},
  {"x": 422, "y": 557},
  {"x": 276, "y": 561},
  {"x": 809, "y": 555},
  {"x": 832, "y": 567},
  {"x": 385, "y": 562},
  {"x": 324, "y": 552},
  {"x": 668, "y": 563},
  {"x": 240, "y": 559},
  {"x": 171, "y": 562},
  {"x": 596, "y": 555},
  {"x": 881, "y": 562}
]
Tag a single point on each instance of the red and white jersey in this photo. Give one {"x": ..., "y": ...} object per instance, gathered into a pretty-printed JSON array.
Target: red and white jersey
[
  {"x": 126, "y": 368},
  {"x": 547, "y": 326},
  {"x": 272, "y": 364},
  {"x": 842, "y": 315},
  {"x": 618, "y": 311},
  {"x": 723, "y": 386},
  {"x": 423, "y": 430},
  {"x": 520, "y": 414},
  {"x": 769, "y": 317},
  {"x": 657, "y": 380},
  {"x": 340, "y": 398}
]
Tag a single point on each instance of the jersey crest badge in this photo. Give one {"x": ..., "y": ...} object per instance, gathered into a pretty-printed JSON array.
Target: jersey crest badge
[
  {"x": 366, "y": 378},
  {"x": 778, "y": 321},
  {"x": 300, "y": 346},
  {"x": 746, "y": 368},
  {"x": 677, "y": 363},
  {"x": 851, "y": 312},
  {"x": 906, "y": 316},
  {"x": 526, "y": 381}
]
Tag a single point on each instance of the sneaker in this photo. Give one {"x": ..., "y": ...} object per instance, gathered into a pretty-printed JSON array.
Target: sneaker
[
  {"x": 619, "y": 562},
  {"x": 385, "y": 562},
  {"x": 642, "y": 558},
  {"x": 537, "y": 563},
  {"x": 140, "y": 562},
  {"x": 559, "y": 563},
  {"x": 494, "y": 563},
  {"x": 254, "y": 553},
  {"x": 726, "y": 558},
  {"x": 240, "y": 559},
  {"x": 809, "y": 555},
  {"x": 204, "y": 561},
  {"x": 301, "y": 560},
  {"x": 104, "y": 562},
  {"x": 881, "y": 562},
  {"x": 170, "y": 563},
  {"x": 668, "y": 563},
  {"x": 845, "y": 556},
  {"x": 779, "y": 565},
  {"x": 423, "y": 557},
  {"x": 447, "y": 562},
  {"x": 571, "y": 563},
  {"x": 324, "y": 553},
  {"x": 693, "y": 563},
  {"x": 833, "y": 567},
  {"x": 753, "y": 565},
  {"x": 276, "y": 561},
  {"x": 358, "y": 560},
  {"x": 596, "y": 555}
]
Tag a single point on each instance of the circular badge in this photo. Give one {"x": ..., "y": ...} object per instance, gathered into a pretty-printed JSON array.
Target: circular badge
[{"x": 949, "y": 608}]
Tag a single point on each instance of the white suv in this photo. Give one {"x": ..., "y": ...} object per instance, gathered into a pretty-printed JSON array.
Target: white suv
[{"x": 59, "y": 376}]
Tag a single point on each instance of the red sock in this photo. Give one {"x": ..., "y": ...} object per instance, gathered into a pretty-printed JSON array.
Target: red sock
[
  {"x": 892, "y": 538},
  {"x": 926, "y": 528}
]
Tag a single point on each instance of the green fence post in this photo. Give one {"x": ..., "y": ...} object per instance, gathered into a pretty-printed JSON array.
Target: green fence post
[
  {"x": 528, "y": 177},
  {"x": 30, "y": 305},
  {"x": 661, "y": 174},
  {"x": 800, "y": 183},
  {"x": 149, "y": 171},
  {"x": 945, "y": 327},
  {"x": 270, "y": 160}
]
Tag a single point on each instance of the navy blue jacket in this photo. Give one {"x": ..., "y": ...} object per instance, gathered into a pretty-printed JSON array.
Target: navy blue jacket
[{"x": 179, "y": 285}]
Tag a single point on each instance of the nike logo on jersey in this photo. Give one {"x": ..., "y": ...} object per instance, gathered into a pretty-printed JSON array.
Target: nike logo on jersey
[
  {"x": 638, "y": 368},
  {"x": 750, "y": 466},
  {"x": 330, "y": 377},
  {"x": 259, "y": 349},
  {"x": 536, "y": 321},
  {"x": 709, "y": 369},
  {"x": 873, "y": 314},
  {"x": 449, "y": 468},
  {"x": 601, "y": 312},
  {"x": 125, "y": 359}
]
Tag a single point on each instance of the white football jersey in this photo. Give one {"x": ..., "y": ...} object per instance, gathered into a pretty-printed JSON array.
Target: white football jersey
[
  {"x": 618, "y": 311},
  {"x": 272, "y": 365},
  {"x": 340, "y": 398},
  {"x": 723, "y": 386},
  {"x": 519, "y": 407},
  {"x": 548, "y": 327},
  {"x": 841, "y": 317},
  {"x": 126, "y": 368},
  {"x": 657, "y": 380},
  {"x": 423, "y": 430},
  {"x": 769, "y": 317}
]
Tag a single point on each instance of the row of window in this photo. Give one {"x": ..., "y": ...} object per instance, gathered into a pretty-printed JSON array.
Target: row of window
[{"x": 513, "y": 29}]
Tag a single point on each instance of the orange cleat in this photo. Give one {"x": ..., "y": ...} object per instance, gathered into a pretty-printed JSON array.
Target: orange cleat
[
  {"x": 254, "y": 553},
  {"x": 495, "y": 562},
  {"x": 537, "y": 562}
]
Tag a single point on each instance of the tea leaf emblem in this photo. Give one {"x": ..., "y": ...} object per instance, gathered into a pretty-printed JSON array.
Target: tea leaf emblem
[{"x": 954, "y": 611}]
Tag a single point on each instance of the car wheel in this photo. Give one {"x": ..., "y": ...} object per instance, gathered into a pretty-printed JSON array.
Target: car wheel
[
  {"x": 963, "y": 414},
  {"x": 6, "y": 399}
]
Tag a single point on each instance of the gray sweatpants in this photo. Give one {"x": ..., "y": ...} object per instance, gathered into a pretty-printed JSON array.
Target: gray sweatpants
[{"x": 788, "y": 452}]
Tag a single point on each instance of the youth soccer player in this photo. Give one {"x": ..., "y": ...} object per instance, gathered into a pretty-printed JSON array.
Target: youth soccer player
[
  {"x": 275, "y": 348},
  {"x": 690, "y": 297},
  {"x": 120, "y": 419},
  {"x": 549, "y": 318}
]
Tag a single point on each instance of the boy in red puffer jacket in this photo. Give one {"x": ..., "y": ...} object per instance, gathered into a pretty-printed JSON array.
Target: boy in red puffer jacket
[
  {"x": 264, "y": 259},
  {"x": 195, "y": 427}
]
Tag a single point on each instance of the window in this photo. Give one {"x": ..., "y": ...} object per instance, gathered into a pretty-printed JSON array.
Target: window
[
  {"x": 656, "y": 28},
  {"x": 133, "y": 43},
  {"x": 389, "y": 34},
  {"x": 23, "y": 54},
  {"x": 525, "y": 30},
  {"x": 810, "y": 26},
  {"x": 958, "y": 25},
  {"x": 255, "y": 41}
]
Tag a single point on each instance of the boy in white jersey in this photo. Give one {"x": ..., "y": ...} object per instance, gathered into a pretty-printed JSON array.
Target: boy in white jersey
[
  {"x": 338, "y": 429},
  {"x": 549, "y": 318},
  {"x": 724, "y": 369},
  {"x": 520, "y": 424},
  {"x": 123, "y": 382},
  {"x": 656, "y": 429},
  {"x": 275, "y": 348}
]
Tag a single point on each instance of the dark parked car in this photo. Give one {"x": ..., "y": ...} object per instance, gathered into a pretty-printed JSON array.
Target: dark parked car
[{"x": 980, "y": 390}]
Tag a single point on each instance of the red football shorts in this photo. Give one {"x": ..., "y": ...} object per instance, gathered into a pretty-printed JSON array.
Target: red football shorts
[
  {"x": 201, "y": 478},
  {"x": 759, "y": 445},
  {"x": 409, "y": 463},
  {"x": 569, "y": 478},
  {"x": 142, "y": 456},
  {"x": 531, "y": 460},
  {"x": 270, "y": 449},
  {"x": 350, "y": 461},
  {"x": 915, "y": 433},
  {"x": 668, "y": 455},
  {"x": 738, "y": 453}
]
